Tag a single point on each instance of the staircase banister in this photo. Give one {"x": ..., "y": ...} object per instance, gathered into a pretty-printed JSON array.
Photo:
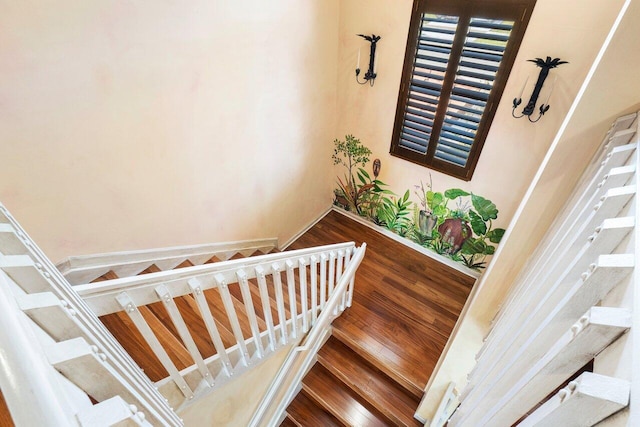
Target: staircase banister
[
  {"x": 32, "y": 395},
  {"x": 101, "y": 295},
  {"x": 287, "y": 379},
  {"x": 16, "y": 241}
]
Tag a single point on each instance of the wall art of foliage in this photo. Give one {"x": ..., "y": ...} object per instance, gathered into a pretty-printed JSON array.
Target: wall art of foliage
[{"x": 454, "y": 223}]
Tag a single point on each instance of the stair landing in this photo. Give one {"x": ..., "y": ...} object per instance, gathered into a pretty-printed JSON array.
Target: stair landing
[{"x": 385, "y": 347}]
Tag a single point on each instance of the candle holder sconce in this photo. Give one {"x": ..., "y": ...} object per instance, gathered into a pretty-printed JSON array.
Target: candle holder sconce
[
  {"x": 370, "y": 75},
  {"x": 545, "y": 66}
]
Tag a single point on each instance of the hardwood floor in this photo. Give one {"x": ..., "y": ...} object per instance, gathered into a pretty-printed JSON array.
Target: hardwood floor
[
  {"x": 385, "y": 347},
  {"x": 5, "y": 415}
]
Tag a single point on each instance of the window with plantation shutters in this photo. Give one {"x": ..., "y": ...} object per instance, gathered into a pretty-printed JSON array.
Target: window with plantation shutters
[{"x": 458, "y": 58}]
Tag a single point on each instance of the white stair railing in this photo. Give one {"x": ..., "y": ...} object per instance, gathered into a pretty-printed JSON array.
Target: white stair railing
[
  {"x": 552, "y": 325},
  {"x": 300, "y": 282},
  {"x": 86, "y": 268},
  {"x": 56, "y": 353},
  {"x": 300, "y": 359}
]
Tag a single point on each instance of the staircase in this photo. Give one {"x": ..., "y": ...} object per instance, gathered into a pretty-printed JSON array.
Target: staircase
[
  {"x": 345, "y": 389},
  {"x": 373, "y": 369},
  {"x": 194, "y": 328},
  {"x": 191, "y": 329},
  {"x": 125, "y": 331}
]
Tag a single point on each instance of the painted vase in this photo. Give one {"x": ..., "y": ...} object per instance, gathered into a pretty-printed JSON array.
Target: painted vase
[
  {"x": 454, "y": 232},
  {"x": 426, "y": 222}
]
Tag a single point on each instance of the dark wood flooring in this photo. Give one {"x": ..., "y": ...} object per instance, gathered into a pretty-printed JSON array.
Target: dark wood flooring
[{"x": 384, "y": 348}]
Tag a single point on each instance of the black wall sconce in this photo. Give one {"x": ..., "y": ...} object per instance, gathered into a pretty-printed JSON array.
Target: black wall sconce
[
  {"x": 370, "y": 75},
  {"x": 545, "y": 66}
]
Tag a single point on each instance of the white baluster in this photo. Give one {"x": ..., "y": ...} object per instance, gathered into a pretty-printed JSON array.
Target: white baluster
[
  {"x": 282, "y": 317},
  {"x": 348, "y": 295},
  {"x": 134, "y": 314},
  {"x": 251, "y": 313},
  {"x": 323, "y": 280},
  {"x": 266, "y": 307},
  {"x": 314, "y": 289},
  {"x": 302, "y": 274},
  {"x": 170, "y": 305},
  {"x": 209, "y": 322},
  {"x": 587, "y": 400},
  {"x": 293, "y": 308},
  {"x": 233, "y": 318},
  {"x": 332, "y": 273},
  {"x": 339, "y": 264}
]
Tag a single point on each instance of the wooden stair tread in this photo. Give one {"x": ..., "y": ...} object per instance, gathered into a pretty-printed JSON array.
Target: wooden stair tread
[
  {"x": 411, "y": 348},
  {"x": 171, "y": 343},
  {"x": 214, "y": 301},
  {"x": 375, "y": 353},
  {"x": 303, "y": 411},
  {"x": 327, "y": 391},
  {"x": 109, "y": 275},
  {"x": 5, "y": 415},
  {"x": 126, "y": 333},
  {"x": 288, "y": 422},
  {"x": 193, "y": 319},
  {"x": 238, "y": 303},
  {"x": 184, "y": 264},
  {"x": 225, "y": 334},
  {"x": 386, "y": 395}
]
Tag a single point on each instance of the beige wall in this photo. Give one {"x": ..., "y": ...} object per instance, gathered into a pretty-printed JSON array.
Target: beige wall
[
  {"x": 127, "y": 125},
  {"x": 514, "y": 148},
  {"x": 609, "y": 93}
]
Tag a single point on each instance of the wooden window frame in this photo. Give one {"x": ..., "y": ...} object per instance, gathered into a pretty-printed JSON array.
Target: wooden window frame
[{"x": 517, "y": 10}]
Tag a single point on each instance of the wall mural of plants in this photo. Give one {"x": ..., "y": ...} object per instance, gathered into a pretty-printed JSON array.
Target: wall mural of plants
[{"x": 454, "y": 223}]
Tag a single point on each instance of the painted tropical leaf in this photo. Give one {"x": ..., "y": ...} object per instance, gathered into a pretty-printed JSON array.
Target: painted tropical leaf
[
  {"x": 474, "y": 246},
  {"x": 440, "y": 211},
  {"x": 434, "y": 199},
  {"x": 495, "y": 235},
  {"x": 489, "y": 250},
  {"x": 364, "y": 172},
  {"x": 484, "y": 207},
  {"x": 477, "y": 224},
  {"x": 454, "y": 193}
]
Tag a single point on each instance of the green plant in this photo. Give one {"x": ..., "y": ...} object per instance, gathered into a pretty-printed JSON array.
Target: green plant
[
  {"x": 454, "y": 223},
  {"x": 421, "y": 192},
  {"x": 363, "y": 195},
  {"x": 350, "y": 153},
  {"x": 477, "y": 247},
  {"x": 394, "y": 213},
  {"x": 476, "y": 213}
]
